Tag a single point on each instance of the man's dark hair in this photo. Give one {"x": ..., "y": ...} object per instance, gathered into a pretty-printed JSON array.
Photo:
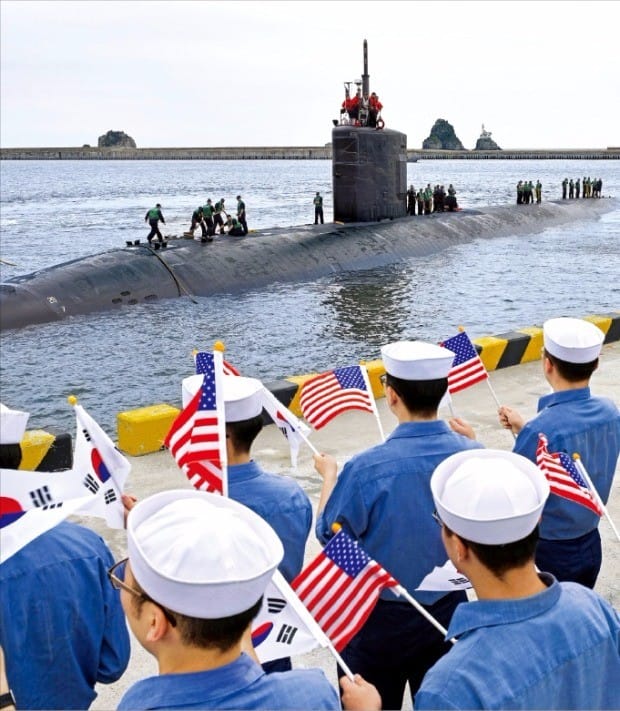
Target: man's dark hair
[
  {"x": 221, "y": 633},
  {"x": 419, "y": 396},
  {"x": 573, "y": 372},
  {"x": 499, "y": 559},
  {"x": 10, "y": 456},
  {"x": 243, "y": 433}
]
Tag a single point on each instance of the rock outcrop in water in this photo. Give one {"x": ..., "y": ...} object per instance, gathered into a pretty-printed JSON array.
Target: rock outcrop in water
[
  {"x": 443, "y": 137},
  {"x": 485, "y": 142},
  {"x": 116, "y": 139}
]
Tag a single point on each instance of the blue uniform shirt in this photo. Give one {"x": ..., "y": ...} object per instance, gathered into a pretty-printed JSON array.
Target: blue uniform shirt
[
  {"x": 558, "y": 649},
  {"x": 383, "y": 498},
  {"x": 281, "y": 502},
  {"x": 574, "y": 421},
  {"x": 242, "y": 684},
  {"x": 62, "y": 626}
]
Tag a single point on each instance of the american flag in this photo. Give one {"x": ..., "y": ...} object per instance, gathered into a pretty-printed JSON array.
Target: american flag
[
  {"x": 340, "y": 587},
  {"x": 563, "y": 477},
  {"x": 467, "y": 368},
  {"x": 197, "y": 437},
  {"x": 332, "y": 393},
  {"x": 202, "y": 364}
]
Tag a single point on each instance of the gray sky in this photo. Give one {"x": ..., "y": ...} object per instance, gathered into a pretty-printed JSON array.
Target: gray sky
[{"x": 537, "y": 74}]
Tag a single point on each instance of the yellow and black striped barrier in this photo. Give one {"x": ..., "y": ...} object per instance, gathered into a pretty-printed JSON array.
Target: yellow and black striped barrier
[{"x": 142, "y": 431}]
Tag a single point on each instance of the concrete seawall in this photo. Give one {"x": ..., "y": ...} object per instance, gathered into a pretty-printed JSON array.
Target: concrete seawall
[{"x": 290, "y": 153}]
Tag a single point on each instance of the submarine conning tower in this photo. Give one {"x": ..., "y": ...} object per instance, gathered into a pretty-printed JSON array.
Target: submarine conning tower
[{"x": 369, "y": 165}]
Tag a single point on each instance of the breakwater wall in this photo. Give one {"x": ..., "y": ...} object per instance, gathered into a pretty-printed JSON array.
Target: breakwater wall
[{"x": 289, "y": 153}]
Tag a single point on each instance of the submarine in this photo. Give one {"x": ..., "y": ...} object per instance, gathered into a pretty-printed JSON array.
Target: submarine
[{"x": 370, "y": 229}]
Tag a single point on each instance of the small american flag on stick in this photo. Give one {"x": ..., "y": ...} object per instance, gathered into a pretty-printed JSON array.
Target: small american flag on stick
[
  {"x": 467, "y": 367},
  {"x": 340, "y": 587},
  {"x": 563, "y": 477},
  {"x": 197, "y": 437}
]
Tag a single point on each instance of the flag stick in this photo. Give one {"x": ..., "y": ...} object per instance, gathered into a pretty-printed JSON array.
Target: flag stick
[
  {"x": 400, "y": 591},
  {"x": 289, "y": 416},
  {"x": 341, "y": 663},
  {"x": 374, "y": 403},
  {"x": 582, "y": 470},
  {"x": 497, "y": 402}
]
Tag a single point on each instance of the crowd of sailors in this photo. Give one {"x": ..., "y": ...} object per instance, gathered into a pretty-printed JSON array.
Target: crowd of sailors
[
  {"x": 360, "y": 110},
  {"x": 587, "y": 188},
  {"x": 429, "y": 200},
  {"x": 211, "y": 218},
  {"x": 537, "y": 636},
  {"x": 527, "y": 191}
]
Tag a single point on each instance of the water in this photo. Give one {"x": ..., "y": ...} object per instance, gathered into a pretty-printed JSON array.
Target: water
[{"x": 55, "y": 211}]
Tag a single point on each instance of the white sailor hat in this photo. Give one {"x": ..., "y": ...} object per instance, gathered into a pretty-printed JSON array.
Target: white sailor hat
[
  {"x": 12, "y": 425},
  {"x": 242, "y": 396},
  {"x": 489, "y": 496},
  {"x": 573, "y": 339},
  {"x": 199, "y": 554},
  {"x": 417, "y": 360}
]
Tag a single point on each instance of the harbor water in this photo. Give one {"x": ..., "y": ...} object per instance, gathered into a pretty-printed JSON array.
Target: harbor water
[{"x": 55, "y": 211}]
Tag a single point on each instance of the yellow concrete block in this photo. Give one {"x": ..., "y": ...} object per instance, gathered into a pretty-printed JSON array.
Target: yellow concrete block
[
  {"x": 35, "y": 445},
  {"x": 375, "y": 370},
  {"x": 534, "y": 347},
  {"x": 603, "y": 322},
  {"x": 492, "y": 350},
  {"x": 143, "y": 431},
  {"x": 299, "y": 380}
]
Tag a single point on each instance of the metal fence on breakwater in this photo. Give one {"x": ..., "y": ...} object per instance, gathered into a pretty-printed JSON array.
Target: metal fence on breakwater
[{"x": 289, "y": 153}]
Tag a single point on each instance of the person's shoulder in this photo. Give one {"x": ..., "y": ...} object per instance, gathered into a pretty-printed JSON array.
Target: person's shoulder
[{"x": 305, "y": 688}]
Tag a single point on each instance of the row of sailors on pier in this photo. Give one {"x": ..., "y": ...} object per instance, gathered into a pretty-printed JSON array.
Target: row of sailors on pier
[
  {"x": 526, "y": 191},
  {"x": 431, "y": 200},
  {"x": 591, "y": 188}
]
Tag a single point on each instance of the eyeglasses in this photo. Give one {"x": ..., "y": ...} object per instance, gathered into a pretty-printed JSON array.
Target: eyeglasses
[
  {"x": 438, "y": 521},
  {"x": 116, "y": 574},
  {"x": 383, "y": 379}
]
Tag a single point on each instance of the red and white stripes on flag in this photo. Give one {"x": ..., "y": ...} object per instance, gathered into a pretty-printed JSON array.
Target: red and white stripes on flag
[
  {"x": 340, "y": 588},
  {"x": 467, "y": 367},
  {"x": 197, "y": 437},
  {"x": 327, "y": 395},
  {"x": 564, "y": 478}
]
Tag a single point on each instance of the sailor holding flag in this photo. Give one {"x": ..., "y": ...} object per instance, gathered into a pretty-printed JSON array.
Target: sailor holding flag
[{"x": 383, "y": 499}]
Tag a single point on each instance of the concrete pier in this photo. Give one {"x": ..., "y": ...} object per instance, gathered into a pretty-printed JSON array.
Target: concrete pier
[{"x": 291, "y": 153}]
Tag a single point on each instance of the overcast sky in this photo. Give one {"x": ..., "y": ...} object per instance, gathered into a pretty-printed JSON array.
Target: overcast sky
[{"x": 537, "y": 74}]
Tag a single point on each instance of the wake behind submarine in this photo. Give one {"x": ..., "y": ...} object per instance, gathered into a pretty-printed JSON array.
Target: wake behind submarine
[{"x": 371, "y": 229}]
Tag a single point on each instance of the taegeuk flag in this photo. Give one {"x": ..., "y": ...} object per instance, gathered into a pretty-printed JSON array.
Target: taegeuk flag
[
  {"x": 101, "y": 468},
  {"x": 563, "y": 477},
  {"x": 325, "y": 396},
  {"x": 284, "y": 627},
  {"x": 467, "y": 367},
  {"x": 340, "y": 588},
  {"x": 197, "y": 437}
]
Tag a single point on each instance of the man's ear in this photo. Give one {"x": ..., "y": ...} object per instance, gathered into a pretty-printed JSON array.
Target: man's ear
[{"x": 158, "y": 625}]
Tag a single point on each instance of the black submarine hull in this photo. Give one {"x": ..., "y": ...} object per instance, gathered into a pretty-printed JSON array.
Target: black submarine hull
[{"x": 123, "y": 277}]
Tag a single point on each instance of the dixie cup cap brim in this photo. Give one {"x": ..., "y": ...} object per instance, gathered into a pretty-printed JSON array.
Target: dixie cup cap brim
[
  {"x": 417, "y": 360},
  {"x": 243, "y": 397},
  {"x": 489, "y": 496},
  {"x": 573, "y": 340},
  {"x": 199, "y": 554}
]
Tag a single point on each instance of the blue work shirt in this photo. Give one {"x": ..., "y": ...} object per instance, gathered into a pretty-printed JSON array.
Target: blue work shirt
[
  {"x": 383, "y": 498},
  {"x": 242, "y": 684},
  {"x": 558, "y": 649},
  {"x": 62, "y": 626},
  {"x": 281, "y": 502},
  {"x": 574, "y": 421}
]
